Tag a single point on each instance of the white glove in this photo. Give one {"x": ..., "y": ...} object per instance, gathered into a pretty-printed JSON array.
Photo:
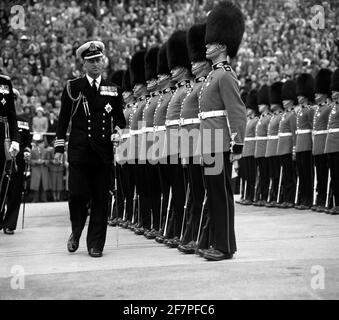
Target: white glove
[
  {"x": 116, "y": 136},
  {"x": 14, "y": 148}
]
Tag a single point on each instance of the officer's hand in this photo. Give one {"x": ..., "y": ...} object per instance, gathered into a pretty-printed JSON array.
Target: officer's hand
[
  {"x": 14, "y": 149},
  {"x": 58, "y": 157},
  {"x": 235, "y": 157}
]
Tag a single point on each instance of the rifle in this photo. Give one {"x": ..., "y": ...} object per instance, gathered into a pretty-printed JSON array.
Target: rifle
[
  {"x": 201, "y": 215},
  {"x": 279, "y": 186},
  {"x": 168, "y": 211},
  {"x": 185, "y": 210},
  {"x": 315, "y": 187},
  {"x": 296, "y": 192}
]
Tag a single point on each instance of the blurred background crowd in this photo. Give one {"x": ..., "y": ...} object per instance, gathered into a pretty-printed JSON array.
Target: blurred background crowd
[{"x": 282, "y": 39}]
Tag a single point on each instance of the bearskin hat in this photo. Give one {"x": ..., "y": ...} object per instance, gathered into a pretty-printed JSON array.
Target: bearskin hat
[
  {"x": 275, "y": 93},
  {"x": 162, "y": 66},
  {"x": 177, "y": 53},
  {"x": 196, "y": 42},
  {"x": 323, "y": 82},
  {"x": 117, "y": 77},
  {"x": 126, "y": 81},
  {"x": 151, "y": 58},
  {"x": 251, "y": 101},
  {"x": 288, "y": 91},
  {"x": 305, "y": 86},
  {"x": 137, "y": 68},
  {"x": 225, "y": 24},
  {"x": 335, "y": 80},
  {"x": 263, "y": 95}
]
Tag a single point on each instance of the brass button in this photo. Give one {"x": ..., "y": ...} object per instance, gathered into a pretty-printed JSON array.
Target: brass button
[
  {"x": 103, "y": 128},
  {"x": 89, "y": 128},
  {"x": 103, "y": 136},
  {"x": 89, "y": 136}
]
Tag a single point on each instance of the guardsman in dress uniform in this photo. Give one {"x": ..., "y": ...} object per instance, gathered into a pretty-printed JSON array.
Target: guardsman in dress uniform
[
  {"x": 249, "y": 147},
  {"x": 179, "y": 64},
  {"x": 303, "y": 148},
  {"x": 320, "y": 121},
  {"x": 116, "y": 79},
  {"x": 8, "y": 129},
  {"x": 93, "y": 105},
  {"x": 14, "y": 195},
  {"x": 261, "y": 144},
  {"x": 189, "y": 134},
  {"x": 138, "y": 82},
  {"x": 123, "y": 151},
  {"x": 286, "y": 144},
  {"x": 272, "y": 143},
  {"x": 154, "y": 190},
  {"x": 332, "y": 141},
  {"x": 222, "y": 126},
  {"x": 159, "y": 157}
]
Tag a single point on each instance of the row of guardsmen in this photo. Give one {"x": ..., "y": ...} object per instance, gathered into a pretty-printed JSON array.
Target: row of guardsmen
[
  {"x": 291, "y": 152},
  {"x": 163, "y": 190}
]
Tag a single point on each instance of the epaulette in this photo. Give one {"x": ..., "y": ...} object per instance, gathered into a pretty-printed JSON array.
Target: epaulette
[
  {"x": 69, "y": 91},
  {"x": 23, "y": 125},
  {"x": 5, "y": 77}
]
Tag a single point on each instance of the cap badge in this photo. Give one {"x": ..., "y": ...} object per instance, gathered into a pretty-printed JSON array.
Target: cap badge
[
  {"x": 92, "y": 47},
  {"x": 3, "y": 101}
]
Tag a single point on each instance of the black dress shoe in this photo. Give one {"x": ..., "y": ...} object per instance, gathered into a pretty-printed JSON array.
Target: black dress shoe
[
  {"x": 271, "y": 204},
  {"x": 335, "y": 210},
  {"x": 160, "y": 239},
  {"x": 247, "y": 203},
  {"x": 72, "y": 243},
  {"x": 216, "y": 255},
  {"x": 174, "y": 243},
  {"x": 8, "y": 231},
  {"x": 188, "y": 248},
  {"x": 152, "y": 234},
  {"x": 95, "y": 253},
  {"x": 200, "y": 252},
  {"x": 139, "y": 231}
]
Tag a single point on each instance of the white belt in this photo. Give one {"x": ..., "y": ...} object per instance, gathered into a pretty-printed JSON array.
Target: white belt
[
  {"x": 211, "y": 114},
  {"x": 170, "y": 123},
  {"x": 184, "y": 122},
  {"x": 159, "y": 128},
  {"x": 134, "y": 132},
  {"x": 302, "y": 131},
  {"x": 285, "y": 134},
  {"x": 147, "y": 129},
  {"x": 125, "y": 135},
  {"x": 317, "y": 132},
  {"x": 333, "y": 130},
  {"x": 261, "y": 138},
  {"x": 249, "y": 138},
  {"x": 272, "y": 137}
]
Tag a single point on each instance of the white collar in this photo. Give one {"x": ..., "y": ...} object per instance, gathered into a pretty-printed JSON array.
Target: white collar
[{"x": 90, "y": 80}]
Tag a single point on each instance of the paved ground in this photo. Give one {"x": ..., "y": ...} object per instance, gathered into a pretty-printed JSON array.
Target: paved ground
[{"x": 282, "y": 254}]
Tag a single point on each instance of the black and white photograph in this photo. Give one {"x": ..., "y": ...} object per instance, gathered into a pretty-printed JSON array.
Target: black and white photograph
[{"x": 169, "y": 155}]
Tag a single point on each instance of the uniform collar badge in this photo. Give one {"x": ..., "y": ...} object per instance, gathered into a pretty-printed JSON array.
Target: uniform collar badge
[{"x": 108, "y": 108}]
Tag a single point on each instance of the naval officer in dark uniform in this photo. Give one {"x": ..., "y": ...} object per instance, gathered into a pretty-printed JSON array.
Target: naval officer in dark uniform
[
  {"x": 93, "y": 106},
  {"x": 9, "y": 134},
  {"x": 222, "y": 112},
  {"x": 16, "y": 185}
]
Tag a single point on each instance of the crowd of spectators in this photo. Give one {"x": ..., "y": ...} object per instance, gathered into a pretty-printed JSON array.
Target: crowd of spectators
[{"x": 282, "y": 38}]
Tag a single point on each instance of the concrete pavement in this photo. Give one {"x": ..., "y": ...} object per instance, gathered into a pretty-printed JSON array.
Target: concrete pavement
[{"x": 282, "y": 254}]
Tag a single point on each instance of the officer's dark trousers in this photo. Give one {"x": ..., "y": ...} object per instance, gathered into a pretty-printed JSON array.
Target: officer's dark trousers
[
  {"x": 321, "y": 166},
  {"x": 274, "y": 171},
  {"x": 221, "y": 206},
  {"x": 197, "y": 192},
  {"x": 250, "y": 176},
  {"x": 177, "y": 182},
  {"x": 304, "y": 162},
  {"x": 163, "y": 173},
  {"x": 154, "y": 189},
  {"x": 14, "y": 197},
  {"x": 264, "y": 179},
  {"x": 333, "y": 161},
  {"x": 89, "y": 182},
  {"x": 288, "y": 182}
]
